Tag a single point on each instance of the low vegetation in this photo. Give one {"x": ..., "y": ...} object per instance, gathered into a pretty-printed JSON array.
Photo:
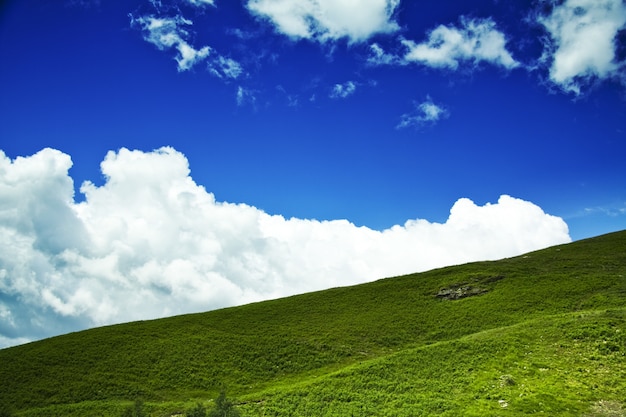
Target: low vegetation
[{"x": 543, "y": 333}]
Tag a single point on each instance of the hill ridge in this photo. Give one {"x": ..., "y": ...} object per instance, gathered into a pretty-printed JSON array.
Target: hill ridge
[{"x": 271, "y": 346}]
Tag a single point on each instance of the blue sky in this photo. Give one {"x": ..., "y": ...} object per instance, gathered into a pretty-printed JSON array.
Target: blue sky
[{"x": 338, "y": 115}]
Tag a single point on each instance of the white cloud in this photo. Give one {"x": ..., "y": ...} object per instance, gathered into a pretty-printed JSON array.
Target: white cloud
[
  {"x": 150, "y": 242},
  {"x": 83, "y": 3},
  {"x": 475, "y": 41},
  {"x": 426, "y": 112},
  {"x": 12, "y": 341},
  {"x": 223, "y": 67},
  {"x": 379, "y": 57},
  {"x": 166, "y": 33},
  {"x": 610, "y": 210},
  {"x": 201, "y": 2},
  {"x": 241, "y": 34},
  {"x": 245, "y": 96},
  {"x": 343, "y": 90},
  {"x": 582, "y": 41},
  {"x": 327, "y": 20},
  {"x": 169, "y": 32}
]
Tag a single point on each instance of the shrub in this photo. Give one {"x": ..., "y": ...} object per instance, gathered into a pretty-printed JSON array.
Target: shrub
[
  {"x": 135, "y": 411},
  {"x": 224, "y": 407},
  {"x": 197, "y": 411}
]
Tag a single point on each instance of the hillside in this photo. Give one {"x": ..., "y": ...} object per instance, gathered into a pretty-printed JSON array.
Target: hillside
[{"x": 543, "y": 333}]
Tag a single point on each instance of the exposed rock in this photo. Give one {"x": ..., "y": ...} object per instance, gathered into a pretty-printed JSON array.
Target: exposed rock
[
  {"x": 459, "y": 292},
  {"x": 506, "y": 380},
  {"x": 467, "y": 289}
]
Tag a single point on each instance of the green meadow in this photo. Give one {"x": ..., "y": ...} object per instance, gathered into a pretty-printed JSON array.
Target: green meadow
[{"x": 539, "y": 334}]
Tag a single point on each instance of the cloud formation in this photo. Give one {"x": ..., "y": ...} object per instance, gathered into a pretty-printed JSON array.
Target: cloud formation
[
  {"x": 343, "y": 90},
  {"x": 475, "y": 41},
  {"x": 582, "y": 41},
  {"x": 245, "y": 96},
  {"x": 150, "y": 242},
  {"x": 166, "y": 33},
  {"x": 424, "y": 113},
  {"x": 169, "y": 32},
  {"x": 201, "y": 2},
  {"x": 226, "y": 68},
  {"x": 378, "y": 56},
  {"x": 580, "y": 46},
  {"x": 328, "y": 20}
]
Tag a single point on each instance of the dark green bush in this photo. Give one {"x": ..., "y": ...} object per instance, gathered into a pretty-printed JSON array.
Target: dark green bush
[
  {"x": 224, "y": 407},
  {"x": 135, "y": 411},
  {"x": 198, "y": 411}
]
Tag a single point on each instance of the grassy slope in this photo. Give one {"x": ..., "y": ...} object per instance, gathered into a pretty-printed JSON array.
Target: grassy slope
[{"x": 540, "y": 340}]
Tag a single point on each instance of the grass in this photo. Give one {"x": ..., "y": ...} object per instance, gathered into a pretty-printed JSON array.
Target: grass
[
  {"x": 525, "y": 369},
  {"x": 544, "y": 335}
]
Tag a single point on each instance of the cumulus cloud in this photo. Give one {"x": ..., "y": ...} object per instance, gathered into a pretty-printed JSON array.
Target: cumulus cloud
[
  {"x": 343, "y": 90},
  {"x": 475, "y": 41},
  {"x": 424, "y": 113},
  {"x": 150, "y": 242},
  {"x": 582, "y": 41},
  {"x": 327, "y": 20}
]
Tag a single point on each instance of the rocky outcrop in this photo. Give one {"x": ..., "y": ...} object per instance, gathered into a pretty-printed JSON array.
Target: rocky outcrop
[
  {"x": 467, "y": 289},
  {"x": 459, "y": 292}
]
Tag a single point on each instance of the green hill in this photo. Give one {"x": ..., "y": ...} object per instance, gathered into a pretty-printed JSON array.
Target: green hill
[{"x": 543, "y": 333}]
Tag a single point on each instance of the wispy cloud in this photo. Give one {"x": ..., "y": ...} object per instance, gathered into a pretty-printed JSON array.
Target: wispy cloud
[
  {"x": 170, "y": 32},
  {"x": 581, "y": 46},
  {"x": 474, "y": 41},
  {"x": 245, "y": 96},
  {"x": 424, "y": 113},
  {"x": 379, "y": 57},
  {"x": 328, "y": 20},
  {"x": 223, "y": 67},
  {"x": 150, "y": 242},
  {"x": 610, "y": 211},
  {"x": 83, "y": 3},
  {"x": 343, "y": 90},
  {"x": 292, "y": 100},
  {"x": 201, "y": 2},
  {"x": 241, "y": 34}
]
